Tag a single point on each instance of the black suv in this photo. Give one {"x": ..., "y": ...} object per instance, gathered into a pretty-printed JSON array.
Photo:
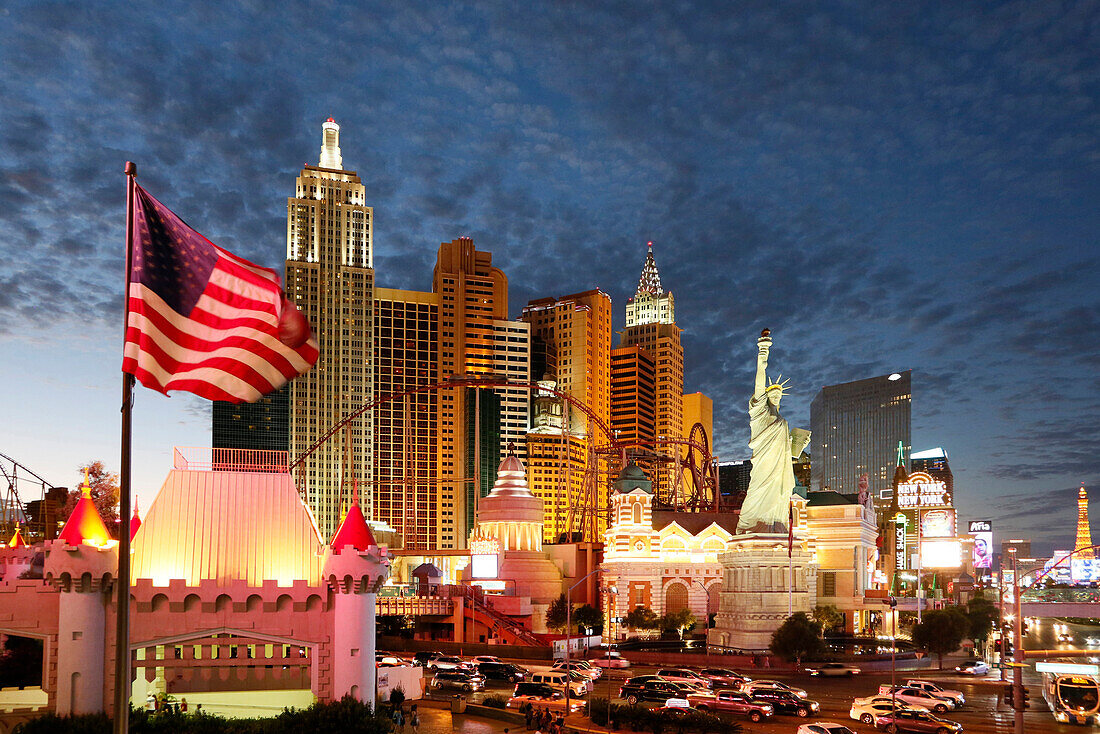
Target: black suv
[
  {"x": 654, "y": 690},
  {"x": 535, "y": 689},
  {"x": 502, "y": 671},
  {"x": 786, "y": 703}
]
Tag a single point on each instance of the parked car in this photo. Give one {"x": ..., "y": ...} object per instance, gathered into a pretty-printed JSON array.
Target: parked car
[
  {"x": 921, "y": 697},
  {"x": 887, "y": 699},
  {"x": 447, "y": 662},
  {"x": 423, "y": 658},
  {"x": 785, "y": 702},
  {"x": 577, "y": 666},
  {"x": 824, "y": 727},
  {"x": 867, "y": 710},
  {"x": 833, "y": 669},
  {"x": 972, "y": 667},
  {"x": 724, "y": 678},
  {"x": 937, "y": 690},
  {"x": 456, "y": 680},
  {"x": 542, "y": 696},
  {"x": 578, "y": 684},
  {"x": 502, "y": 671},
  {"x": 919, "y": 721},
  {"x": 733, "y": 702},
  {"x": 485, "y": 659},
  {"x": 760, "y": 685},
  {"x": 683, "y": 675},
  {"x": 654, "y": 690},
  {"x": 612, "y": 659}
]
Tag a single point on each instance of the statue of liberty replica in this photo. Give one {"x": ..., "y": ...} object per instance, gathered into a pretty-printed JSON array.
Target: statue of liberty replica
[{"x": 767, "y": 502}]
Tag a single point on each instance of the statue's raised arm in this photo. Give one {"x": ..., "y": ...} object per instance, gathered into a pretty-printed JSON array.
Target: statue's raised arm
[{"x": 771, "y": 481}]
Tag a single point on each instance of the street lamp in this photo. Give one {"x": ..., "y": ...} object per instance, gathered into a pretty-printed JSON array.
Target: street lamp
[
  {"x": 569, "y": 633},
  {"x": 706, "y": 639},
  {"x": 611, "y": 591}
]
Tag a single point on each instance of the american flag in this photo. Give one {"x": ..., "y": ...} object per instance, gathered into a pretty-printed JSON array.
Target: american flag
[{"x": 203, "y": 320}]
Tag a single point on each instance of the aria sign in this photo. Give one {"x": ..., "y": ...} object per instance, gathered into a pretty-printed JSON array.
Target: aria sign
[{"x": 923, "y": 491}]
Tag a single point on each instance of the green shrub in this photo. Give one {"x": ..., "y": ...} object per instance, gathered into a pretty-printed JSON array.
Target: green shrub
[{"x": 495, "y": 701}]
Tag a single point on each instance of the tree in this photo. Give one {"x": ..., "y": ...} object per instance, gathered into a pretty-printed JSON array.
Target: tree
[
  {"x": 797, "y": 638},
  {"x": 104, "y": 495},
  {"x": 828, "y": 616},
  {"x": 556, "y": 614},
  {"x": 982, "y": 614},
  {"x": 394, "y": 625},
  {"x": 679, "y": 622},
  {"x": 642, "y": 618},
  {"x": 587, "y": 616},
  {"x": 941, "y": 631}
]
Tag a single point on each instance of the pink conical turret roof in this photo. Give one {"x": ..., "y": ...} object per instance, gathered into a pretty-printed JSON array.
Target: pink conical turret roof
[
  {"x": 17, "y": 540},
  {"x": 85, "y": 525},
  {"x": 135, "y": 522},
  {"x": 353, "y": 531}
]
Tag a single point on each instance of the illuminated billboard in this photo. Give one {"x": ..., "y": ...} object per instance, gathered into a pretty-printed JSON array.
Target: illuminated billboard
[
  {"x": 939, "y": 523},
  {"x": 484, "y": 557},
  {"x": 941, "y": 553},
  {"x": 921, "y": 490},
  {"x": 982, "y": 532}
]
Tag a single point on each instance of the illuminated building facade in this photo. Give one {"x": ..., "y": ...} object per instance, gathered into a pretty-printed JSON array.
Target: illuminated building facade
[
  {"x": 651, "y": 325},
  {"x": 406, "y": 430},
  {"x": 330, "y": 277},
  {"x": 856, "y": 427},
  {"x": 935, "y": 463},
  {"x": 262, "y": 425},
  {"x": 574, "y": 337},
  {"x": 633, "y": 394},
  {"x": 473, "y": 314}
]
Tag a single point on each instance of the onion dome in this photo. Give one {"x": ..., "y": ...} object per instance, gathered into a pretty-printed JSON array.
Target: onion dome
[
  {"x": 353, "y": 531},
  {"x": 632, "y": 477},
  {"x": 17, "y": 540},
  {"x": 85, "y": 525}
]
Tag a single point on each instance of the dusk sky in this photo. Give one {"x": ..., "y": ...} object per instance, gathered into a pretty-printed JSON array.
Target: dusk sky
[{"x": 886, "y": 186}]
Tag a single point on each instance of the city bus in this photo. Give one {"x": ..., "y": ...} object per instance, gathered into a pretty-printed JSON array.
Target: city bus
[{"x": 1072, "y": 697}]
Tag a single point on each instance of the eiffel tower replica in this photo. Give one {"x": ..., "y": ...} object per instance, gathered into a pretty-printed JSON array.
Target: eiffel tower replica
[{"x": 1084, "y": 535}]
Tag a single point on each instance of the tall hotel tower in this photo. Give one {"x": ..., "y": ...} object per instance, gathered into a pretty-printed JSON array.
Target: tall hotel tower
[
  {"x": 651, "y": 325},
  {"x": 856, "y": 428},
  {"x": 330, "y": 276},
  {"x": 571, "y": 350}
]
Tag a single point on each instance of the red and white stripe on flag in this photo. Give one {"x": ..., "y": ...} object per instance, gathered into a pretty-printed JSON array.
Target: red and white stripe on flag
[{"x": 240, "y": 338}]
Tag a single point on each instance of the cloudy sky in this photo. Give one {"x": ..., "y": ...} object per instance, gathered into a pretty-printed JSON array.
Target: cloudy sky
[{"x": 884, "y": 185}]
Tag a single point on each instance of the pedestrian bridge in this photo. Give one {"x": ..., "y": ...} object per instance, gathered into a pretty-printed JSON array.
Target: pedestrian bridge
[{"x": 1074, "y": 602}]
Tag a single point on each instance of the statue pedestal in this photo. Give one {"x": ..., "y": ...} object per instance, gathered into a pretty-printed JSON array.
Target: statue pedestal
[{"x": 757, "y": 585}]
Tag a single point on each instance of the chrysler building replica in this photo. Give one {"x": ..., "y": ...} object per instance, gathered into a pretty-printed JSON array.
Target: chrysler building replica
[{"x": 330, "y": 276}]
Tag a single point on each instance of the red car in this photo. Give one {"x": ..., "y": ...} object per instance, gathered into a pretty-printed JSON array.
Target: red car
[
  {"x": 724, "y": 678},
  {"x": 732, "y": 702}
]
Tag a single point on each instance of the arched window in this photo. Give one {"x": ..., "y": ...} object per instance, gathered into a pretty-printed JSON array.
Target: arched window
[
  {"x": 714, "y": 597},
  {"x": 636, "y": 513},
  {"x": 676, "y": 598}
]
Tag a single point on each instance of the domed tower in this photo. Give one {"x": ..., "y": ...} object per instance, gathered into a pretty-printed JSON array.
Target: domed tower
[
  {"x": 631, "y": 533},
  {"x": 81, "y": 564},
  {"x": 510, "y": 518},
  {"x": 355, "y": 567}
]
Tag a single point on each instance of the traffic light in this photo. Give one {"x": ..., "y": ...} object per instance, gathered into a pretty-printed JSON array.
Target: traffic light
[
  {"x": 1008, "y": 696},
  {"x": 1024, "y": 703}
]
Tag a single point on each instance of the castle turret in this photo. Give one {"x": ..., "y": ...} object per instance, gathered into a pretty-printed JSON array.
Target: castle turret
[
  {"x": 355, "y": 567},
  {"x": 81, "y": 564}
]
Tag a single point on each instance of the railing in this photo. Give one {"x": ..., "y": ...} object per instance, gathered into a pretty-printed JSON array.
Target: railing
[
  {"x": 246, "y": 460},
  {"x": 1063, "y": 596}
]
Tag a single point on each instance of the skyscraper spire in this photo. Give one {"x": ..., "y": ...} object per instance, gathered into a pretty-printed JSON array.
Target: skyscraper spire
[
  {"x": 1084, "y": 534},
  {"x": 650, "y": 282},
  {"x": 330, "y": 145}
]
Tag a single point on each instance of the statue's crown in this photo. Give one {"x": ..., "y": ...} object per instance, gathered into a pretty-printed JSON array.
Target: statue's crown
[{"x": 780, "y": 385}]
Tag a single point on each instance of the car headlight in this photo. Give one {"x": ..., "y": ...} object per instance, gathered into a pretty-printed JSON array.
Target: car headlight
[{"x": 815, "y": 707}]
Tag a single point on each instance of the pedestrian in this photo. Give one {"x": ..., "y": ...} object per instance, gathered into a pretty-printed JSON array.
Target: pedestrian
[
  {"x": 528, "y": 716},
  {"x": 183, "y": 705},
  {"x": 198, "y": 708},
  {"x": 151, "y": 703},
  {"x": 399, "y": 720},
  {"x": 414, "y": 721}
]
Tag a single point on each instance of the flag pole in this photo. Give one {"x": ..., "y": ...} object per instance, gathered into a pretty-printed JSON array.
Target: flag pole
[{"x": 122, "y": 583}]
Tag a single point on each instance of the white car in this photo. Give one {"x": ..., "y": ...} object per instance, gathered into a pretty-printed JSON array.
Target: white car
[
  {"x": 832, "y": 669},
  {"x": 937, "y": 690},
  {"x": 824, "y": 727},
  {"x": 972, "y": 667},
  {"x": 866, "y": 712},
  {"x": 486, "y": 659},
  {"x": 920, "y": 697},
  {"x": 580, "y": 667},
  {"x": 886, "y": 699},
  {"x": 612, "y": 660},
  {"x": 448, "y": 662},
  {"x": 757, "y": 685}
]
